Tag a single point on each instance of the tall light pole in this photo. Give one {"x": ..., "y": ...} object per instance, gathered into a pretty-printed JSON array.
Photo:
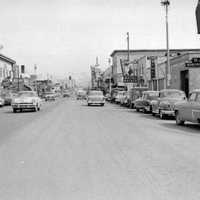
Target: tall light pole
[
  {"x": 166, "y": 4},
  {"x": 110, "y": 77},
  {"x": 128, "y": 56}
]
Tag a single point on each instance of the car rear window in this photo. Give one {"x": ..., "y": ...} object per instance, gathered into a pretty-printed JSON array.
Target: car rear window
[{"x": 96, "y": 93}]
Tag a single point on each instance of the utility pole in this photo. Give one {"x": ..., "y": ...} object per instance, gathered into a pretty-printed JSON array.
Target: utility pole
[
  {"x": 110, "y": 88},
  {"x": 128, "y": 55},
  {"x": 18, "y": 78},
  {"x": 166, "y": 4}
]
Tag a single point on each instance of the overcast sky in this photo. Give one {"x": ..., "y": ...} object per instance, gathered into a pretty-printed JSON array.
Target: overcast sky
[{"x": 64, "y": 36}]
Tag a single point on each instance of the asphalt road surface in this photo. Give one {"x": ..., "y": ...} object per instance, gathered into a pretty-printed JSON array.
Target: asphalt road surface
[{"x": 69, "y": 151}]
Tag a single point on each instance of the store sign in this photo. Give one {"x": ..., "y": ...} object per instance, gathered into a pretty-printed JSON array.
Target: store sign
[
  {"x": 195, "y": 62},
  {"x": 192, "y": 64},
  {"x": 130, "y": 79}
]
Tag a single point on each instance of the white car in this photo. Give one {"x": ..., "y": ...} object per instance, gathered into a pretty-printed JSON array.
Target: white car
[
  {"x": 26, "y": 100},
  {"x": 95, "y": 97}
]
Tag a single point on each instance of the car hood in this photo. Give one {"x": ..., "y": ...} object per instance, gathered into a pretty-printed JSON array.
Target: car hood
[{"x": 24, "y": 100}]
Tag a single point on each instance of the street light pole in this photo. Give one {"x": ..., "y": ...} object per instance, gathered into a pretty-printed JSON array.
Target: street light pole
[
  {"x": 110, "y": 78},
  {"x": 166, "y": 4},
  {"x": 128, "y": 56}
]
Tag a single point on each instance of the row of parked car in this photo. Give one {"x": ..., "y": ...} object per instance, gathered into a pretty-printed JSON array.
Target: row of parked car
[{"x": 167, "y": 102}]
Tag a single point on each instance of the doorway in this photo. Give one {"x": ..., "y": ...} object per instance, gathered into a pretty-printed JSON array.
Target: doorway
[{"x": 185, "y": 81}]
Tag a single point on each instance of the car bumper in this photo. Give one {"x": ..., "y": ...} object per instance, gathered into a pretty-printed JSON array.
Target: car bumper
[
  {"x": 168, "y": 112},
  {"x": 96, "y": 102},
  {"x": 23, "y": 106}
]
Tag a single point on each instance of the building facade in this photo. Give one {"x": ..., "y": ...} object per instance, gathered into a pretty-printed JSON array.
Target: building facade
[
  {"x": 141, "y": 66},
  {"x": 6, "y": 68}
]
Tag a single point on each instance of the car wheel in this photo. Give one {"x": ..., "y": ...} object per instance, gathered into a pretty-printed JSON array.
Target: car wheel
[
  {"x": 162, "y": 116},
  {"x": 154, "y": 114},
  {"x": 144, "y": 110},
  {"x": 179, "y": 121},
  {"x": 137, "y": 109},
  {"x": 89, "y": 104},
  {"x": 102, "y": 104},
  {"x": 14, "y": 110}
]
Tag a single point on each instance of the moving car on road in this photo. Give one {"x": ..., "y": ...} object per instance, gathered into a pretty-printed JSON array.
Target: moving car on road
[
  {"x": 26, "y": 100},
  {"x": 95, "y": 97},
  {"x": 144, "y": 103},
  {"x": 66, "y": 93},
  {"x": 50, "y": 96},
  {"x": 164, "y": 105},
  {"x": 81, "y": 94},
  {"x": 189, "y": 110}
]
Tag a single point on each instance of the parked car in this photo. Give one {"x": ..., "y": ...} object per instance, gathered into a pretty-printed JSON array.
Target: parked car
[
  {"x": 26, "y": 100},
  {"x": 164, "y": 105},
  {"x": 188, "y": 110},
  {"x": 108, "y": 97},
  {"x": 81, "y": 94},
  {"x": 95, "y": 97},
  {"x": 135, "y": 93},
  {"x": 49, "y": 96},
  {"x": 144, "y": 103},
  {"x": 2, "y": 101},
  {"x": 124, "y": 99},
  {"x": 119, "y": 96}
]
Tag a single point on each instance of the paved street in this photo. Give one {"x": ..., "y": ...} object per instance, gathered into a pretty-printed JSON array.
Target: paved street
[{"x": 71, "y": 151}]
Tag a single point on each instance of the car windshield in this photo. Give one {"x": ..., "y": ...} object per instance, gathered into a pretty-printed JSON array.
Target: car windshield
[
  {"x": 172, "y": 94},
  {"x": 151, "y": 96},
  {"x": 26, "y": 94},
  {"x": 95, "y": 93}
]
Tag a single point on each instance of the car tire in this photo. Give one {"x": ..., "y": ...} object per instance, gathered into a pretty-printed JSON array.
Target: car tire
[
  {"x": 14, "y": 110},
  {"x": 137, "y": 109},
  {"x": 178, "y": 119},
  {"x": 89, "y": 104},
  {"x": 154, "y": 114},
  {"x": 102, "y": 104}
]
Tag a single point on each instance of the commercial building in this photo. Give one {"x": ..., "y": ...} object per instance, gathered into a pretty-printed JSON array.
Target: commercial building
[
  {"x": 141, "y": 64},
  {"x": 185, "y": 73},
  {"x": 6, "y": 68}
]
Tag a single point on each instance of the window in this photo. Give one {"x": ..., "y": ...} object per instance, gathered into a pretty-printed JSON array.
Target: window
[{"x": 192, "y": 97}]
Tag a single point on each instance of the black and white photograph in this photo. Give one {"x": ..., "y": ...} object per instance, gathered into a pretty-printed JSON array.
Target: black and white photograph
[{"x": 100, "y": 100}]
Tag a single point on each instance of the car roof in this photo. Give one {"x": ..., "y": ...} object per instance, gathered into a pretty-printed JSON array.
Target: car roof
[{"x": 150, "y": 91}]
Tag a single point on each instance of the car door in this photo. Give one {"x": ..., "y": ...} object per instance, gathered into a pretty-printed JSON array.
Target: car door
[
  {"x": 189, "y": 106},
  {"x": 196, "y": 108}
]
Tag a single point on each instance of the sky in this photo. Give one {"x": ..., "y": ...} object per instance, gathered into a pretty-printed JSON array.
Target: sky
[{"x": 64, "y": 37}]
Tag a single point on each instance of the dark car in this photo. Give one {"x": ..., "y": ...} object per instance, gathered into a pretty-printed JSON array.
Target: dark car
[
  {"x": 188, "y": 110},
  {"x": 144, "y": 103},
  {"x": 164, "y": 105}
]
